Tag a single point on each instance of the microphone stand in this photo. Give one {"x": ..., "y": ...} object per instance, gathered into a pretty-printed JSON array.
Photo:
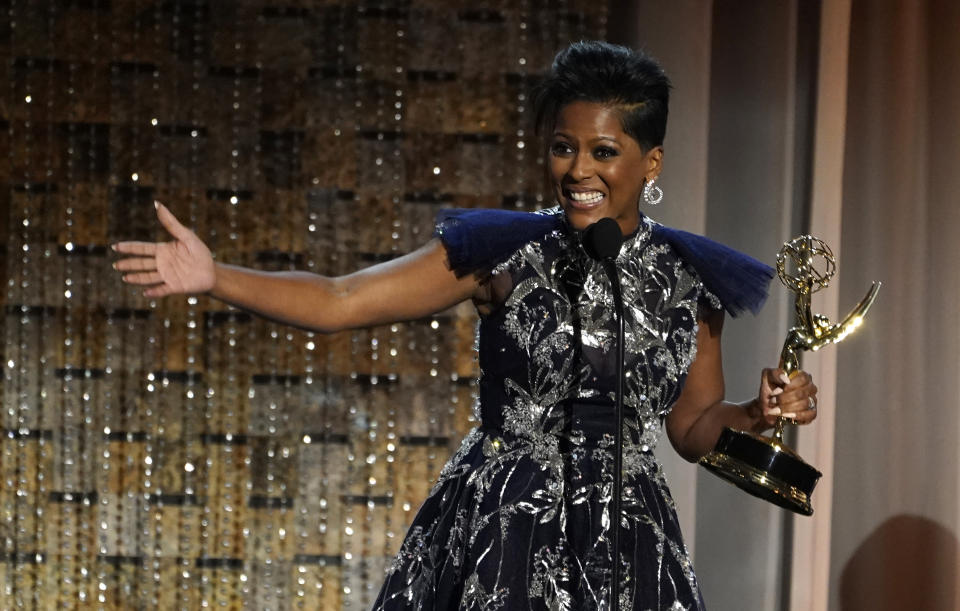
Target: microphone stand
[
  {"x": 602, "y": 241},
  {"x": 611, "y": 269}
]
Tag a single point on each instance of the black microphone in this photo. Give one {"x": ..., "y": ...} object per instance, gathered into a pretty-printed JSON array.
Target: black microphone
[{"x": 602, "y": 241}]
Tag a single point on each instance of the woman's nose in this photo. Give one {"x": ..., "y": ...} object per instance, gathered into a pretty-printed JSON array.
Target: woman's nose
[{"x": 582, "y": 167}]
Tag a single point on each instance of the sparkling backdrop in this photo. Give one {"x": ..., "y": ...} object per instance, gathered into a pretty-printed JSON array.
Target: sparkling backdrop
[{"x": 181, "y": 454}]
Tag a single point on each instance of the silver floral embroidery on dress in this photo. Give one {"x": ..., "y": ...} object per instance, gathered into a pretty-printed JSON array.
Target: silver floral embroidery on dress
[{"x": 520, "y": 515}]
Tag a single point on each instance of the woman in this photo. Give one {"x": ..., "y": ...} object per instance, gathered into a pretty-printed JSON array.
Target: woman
[{"x": 520, "y": 517}]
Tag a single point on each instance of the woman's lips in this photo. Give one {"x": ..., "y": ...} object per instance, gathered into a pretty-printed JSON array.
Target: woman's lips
[{"x": 584, "y": 200}]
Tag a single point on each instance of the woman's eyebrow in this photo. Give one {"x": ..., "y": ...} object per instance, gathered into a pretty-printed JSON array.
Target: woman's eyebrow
[{"x": 607, "y": 138}]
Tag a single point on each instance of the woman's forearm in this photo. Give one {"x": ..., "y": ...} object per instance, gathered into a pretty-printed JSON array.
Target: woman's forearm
[
  {"x": 703, "y": 433},
  {"x": 297, "y": 298},
  {"x": 412, "y": 286}
]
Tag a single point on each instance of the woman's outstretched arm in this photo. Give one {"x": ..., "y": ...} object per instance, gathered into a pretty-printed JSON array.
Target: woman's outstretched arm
[
  {"x": 406, "y": 288},
  {"x": 701, "y": 413}
]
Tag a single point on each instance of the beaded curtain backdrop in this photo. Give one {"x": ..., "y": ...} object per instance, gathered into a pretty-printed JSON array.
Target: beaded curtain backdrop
[{"x": 180, "y": 454}]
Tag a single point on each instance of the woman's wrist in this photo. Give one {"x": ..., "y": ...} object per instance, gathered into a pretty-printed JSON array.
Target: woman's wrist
[
  {"x": 216, "y": 287},
  {"x": 753, "y": 412},
  {"x": 225, "y": 285}
]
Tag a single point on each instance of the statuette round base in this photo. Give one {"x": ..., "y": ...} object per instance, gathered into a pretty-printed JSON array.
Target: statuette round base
[{"x": 764, "y": 467}]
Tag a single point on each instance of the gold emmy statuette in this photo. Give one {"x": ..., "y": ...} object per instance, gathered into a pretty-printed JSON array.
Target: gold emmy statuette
[{"x": 765, "y": 466}]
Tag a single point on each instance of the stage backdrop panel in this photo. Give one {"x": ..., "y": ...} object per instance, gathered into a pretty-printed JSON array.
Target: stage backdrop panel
[{"x": 180, "y": 454}]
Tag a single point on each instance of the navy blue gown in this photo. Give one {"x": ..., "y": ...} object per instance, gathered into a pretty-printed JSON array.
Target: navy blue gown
[{"x": 519, "y": 518}]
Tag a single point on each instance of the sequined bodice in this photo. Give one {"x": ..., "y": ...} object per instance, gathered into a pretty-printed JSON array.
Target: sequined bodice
[{"x": 553, "y": 342}]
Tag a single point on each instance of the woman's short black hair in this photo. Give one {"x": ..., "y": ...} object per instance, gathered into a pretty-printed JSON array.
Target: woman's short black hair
[{"x": 596, "y": 71}]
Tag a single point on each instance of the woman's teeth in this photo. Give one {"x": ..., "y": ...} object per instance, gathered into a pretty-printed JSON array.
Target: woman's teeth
[{"x": 589, "y": 197}]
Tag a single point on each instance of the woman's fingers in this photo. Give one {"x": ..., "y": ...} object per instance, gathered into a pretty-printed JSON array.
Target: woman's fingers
[
  {"x": 795, "y": 394},
  {"x": 805, "y": 417},
  {"x": 793, "y": 397},
  {"x": 171, "y": 224},
  {"x": 136, "y": 264},
  {"x": 798, "y": 402},
  {"x": 161, "y": 290},
  {"x": 135, "y": 248},
  {"x": 143, "y": 278},
  {"x": 777, "y": 377},
  {"x": 771, "y": 387}
]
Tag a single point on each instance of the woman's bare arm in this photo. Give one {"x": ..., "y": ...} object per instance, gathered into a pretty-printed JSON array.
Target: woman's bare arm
[
  {"x": 406, "y": 288},
  {"x": 409, "y": 287},
  {"x": 701, "y": 413}
]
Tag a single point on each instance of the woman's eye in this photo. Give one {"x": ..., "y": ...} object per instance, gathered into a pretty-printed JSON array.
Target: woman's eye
[
  {"x": 604, "y": 152},
  {"x": 560, "y": 148}
]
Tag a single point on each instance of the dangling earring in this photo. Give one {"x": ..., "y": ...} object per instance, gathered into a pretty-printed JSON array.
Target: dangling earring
[{"x": 653, "y": 195}]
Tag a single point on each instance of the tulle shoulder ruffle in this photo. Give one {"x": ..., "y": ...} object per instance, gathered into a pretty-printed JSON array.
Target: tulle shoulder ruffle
[
  {"x": 739, "y": 281},
  {"x": 479, "y": 239}
]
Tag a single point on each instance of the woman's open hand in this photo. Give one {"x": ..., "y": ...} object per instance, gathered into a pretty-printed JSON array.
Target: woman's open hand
[
  {"x": 791, "y": 397},
  {"x": 181, "y": 266}
]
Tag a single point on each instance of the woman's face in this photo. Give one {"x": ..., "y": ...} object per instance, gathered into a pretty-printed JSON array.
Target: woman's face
[{"x": 597, "y": 169}]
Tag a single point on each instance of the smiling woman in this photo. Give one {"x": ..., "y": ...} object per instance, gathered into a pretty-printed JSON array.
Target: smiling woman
[
  {"x": 520, "y": 516},
  {"x": 604, "y": 111},
  {"x": 598, "y": 170}
]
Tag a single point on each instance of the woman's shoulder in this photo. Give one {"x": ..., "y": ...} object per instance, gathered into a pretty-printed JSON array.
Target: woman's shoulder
[
  {"x": 479, "y": 239},
  {"x": 739, "y": 281}
]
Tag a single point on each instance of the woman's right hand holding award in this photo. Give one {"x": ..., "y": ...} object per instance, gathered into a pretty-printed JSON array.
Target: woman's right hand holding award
[{"x": 765, "y": 466}]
